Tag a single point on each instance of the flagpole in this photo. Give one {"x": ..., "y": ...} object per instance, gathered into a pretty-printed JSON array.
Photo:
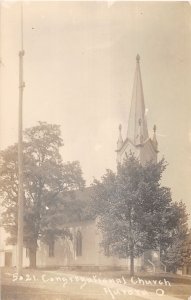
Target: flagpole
[{"x": 20, "y": 154}]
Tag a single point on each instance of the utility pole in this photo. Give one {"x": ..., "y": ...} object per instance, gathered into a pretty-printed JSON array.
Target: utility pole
[
  {"x": 20, "y": 155},
  {"x": 1, "y": 63},
  {"x": 0, "y": 36}
]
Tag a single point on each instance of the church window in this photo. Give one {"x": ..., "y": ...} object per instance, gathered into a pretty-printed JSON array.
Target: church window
[
  {"x": 79, "y": 244},
  {"x": 51, "y": 249},
  {"x": 27, "y": 252}
]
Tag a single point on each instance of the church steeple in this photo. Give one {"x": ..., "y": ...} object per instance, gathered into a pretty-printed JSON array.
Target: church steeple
[
  {"x": 137, "y": 140},
  {"x": 137, "y": 131}
]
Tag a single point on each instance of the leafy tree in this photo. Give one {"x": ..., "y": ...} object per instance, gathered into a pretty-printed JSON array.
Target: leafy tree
[
  {"x": 46, "y": 178},
  {"x": 135, "y": 212},
  {"x": 70, "y": 207},
  {"x": 186, "y": 252},
  {"x": 176, "y": 250}
]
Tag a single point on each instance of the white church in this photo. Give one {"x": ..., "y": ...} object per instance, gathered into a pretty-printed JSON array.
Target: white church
[{"x": 84, "y": 250}]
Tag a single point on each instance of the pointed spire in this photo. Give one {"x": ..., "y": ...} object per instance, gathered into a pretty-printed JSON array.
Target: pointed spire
[
  {"x": 120, "y": 139},
  {"x": 154, "y": 140},
  {"x": 137, "y": 125}
]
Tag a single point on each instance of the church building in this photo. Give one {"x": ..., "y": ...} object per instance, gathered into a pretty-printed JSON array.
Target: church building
[{"x": 83, "y": 250}]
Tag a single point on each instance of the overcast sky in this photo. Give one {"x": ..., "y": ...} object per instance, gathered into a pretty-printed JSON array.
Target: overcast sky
[{"x": 79, "y": 69}]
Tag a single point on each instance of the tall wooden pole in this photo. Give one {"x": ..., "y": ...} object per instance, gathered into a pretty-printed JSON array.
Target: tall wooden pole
[
  {"x": 1, "y": 63},
  {"x": 0, "y": 56},
  {"x": 20, "y": 155}
]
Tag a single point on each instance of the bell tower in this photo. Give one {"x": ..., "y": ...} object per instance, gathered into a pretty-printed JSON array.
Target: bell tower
[{"x": 137, "y": 140}]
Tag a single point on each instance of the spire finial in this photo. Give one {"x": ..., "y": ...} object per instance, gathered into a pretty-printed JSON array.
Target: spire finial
[
  {"x": 155, "y": 143},
  {"x": 120, "y": 139},
  {"x": 138, "y": 58}
]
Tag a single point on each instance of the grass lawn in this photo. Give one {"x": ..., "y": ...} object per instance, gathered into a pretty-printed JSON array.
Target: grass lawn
[
  {"x": 180, "y": 285},
  {"x": 44, "y": 285},
  {"x": 25, "y": 293}
]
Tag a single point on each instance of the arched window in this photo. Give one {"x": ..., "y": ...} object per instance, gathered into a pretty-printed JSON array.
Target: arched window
[
  {"x": 79, "y": 244},
  {"x": 27, "y": 252}
]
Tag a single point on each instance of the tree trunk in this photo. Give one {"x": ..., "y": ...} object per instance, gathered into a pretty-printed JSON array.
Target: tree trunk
[
  {"x": 132, "y": 263},
  {"x": 131, "y": 250},
  {"x": 32, "y": 258}
]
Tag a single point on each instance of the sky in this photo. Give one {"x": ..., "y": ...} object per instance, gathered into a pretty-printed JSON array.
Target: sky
[{"x": 79, "y": 69}]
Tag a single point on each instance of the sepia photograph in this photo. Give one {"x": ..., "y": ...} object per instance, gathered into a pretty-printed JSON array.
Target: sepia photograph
[{"x": 95, "y": 150}]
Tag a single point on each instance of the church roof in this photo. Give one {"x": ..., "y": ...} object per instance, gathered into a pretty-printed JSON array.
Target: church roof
[{"x": 137, "y": 126}]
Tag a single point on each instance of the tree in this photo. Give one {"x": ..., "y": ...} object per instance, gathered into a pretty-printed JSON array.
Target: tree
[
  {"x": 46, "y": 178},
  {"x": 175, "y": 249},
  {"x": 135, "y": 212},
  {"x": 186, "y": 253}
]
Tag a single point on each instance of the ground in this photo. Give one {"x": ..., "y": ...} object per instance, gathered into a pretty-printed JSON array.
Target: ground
[{"x": 75, "y": 285}]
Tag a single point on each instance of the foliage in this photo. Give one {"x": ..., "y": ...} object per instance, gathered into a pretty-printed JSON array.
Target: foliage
[
  {"x": 46, "y": 179},
  {"x": 176, "y": 251},
  {"x": 135, "y": 212},
  {"x": 186, "y": 251}
]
